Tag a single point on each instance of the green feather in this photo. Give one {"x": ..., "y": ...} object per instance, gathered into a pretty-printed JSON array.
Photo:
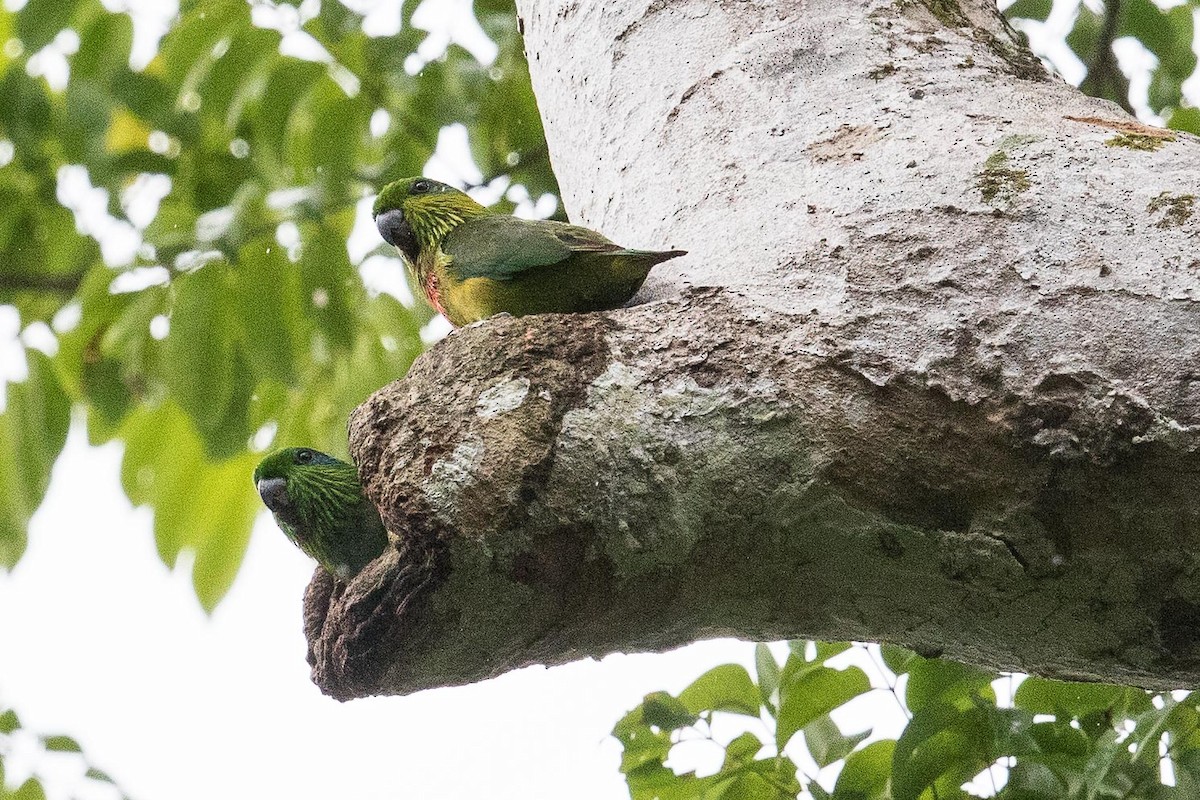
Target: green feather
[
  {"x": 319, "y": 504},
  {"x": 502, "y": 247}
]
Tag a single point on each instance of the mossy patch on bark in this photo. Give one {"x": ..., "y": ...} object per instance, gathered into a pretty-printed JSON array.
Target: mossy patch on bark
[
  {"x": 1176, "y": 209},
  {"x": 1138, "y": 141},
  {"x": 999, "y": 181}
]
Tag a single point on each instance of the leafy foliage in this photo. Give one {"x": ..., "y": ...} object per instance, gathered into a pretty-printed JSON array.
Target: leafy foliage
[
  {"x": 238, "y": 171},
  {"x": 47, "y": 748},
  {"x": 1165, "y": 30},
  {"x": 1048, "y": 740}
]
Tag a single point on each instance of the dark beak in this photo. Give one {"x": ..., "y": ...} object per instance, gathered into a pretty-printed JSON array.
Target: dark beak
[
  {"x": 396, "y": 231},
  {"x": 273, "y": 492}
]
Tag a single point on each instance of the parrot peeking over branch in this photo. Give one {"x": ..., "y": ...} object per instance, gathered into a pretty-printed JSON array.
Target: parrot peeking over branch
[
  {"x": 319, "y": 503},
  {"x": 473, "y": 263}
]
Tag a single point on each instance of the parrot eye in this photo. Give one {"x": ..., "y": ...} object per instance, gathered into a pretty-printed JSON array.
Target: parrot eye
[
  {"x": 421, "y": 187},
  {"x": 304, "y": 456}
]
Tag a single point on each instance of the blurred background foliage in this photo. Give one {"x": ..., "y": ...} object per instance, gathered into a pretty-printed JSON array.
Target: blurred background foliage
[
  {"x": 187, "y": 255},
  {"x": 234, "y": 172},
  {"x": 1136, "y": 53}
]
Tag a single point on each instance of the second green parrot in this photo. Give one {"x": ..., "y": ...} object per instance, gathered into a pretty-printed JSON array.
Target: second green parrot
[
  {"x": 473, "y": 263},
  {"x": 319, "y": 503}
]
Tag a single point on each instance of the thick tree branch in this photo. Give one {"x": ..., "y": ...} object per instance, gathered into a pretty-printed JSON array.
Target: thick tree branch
[{"x": 940, "y": 390}]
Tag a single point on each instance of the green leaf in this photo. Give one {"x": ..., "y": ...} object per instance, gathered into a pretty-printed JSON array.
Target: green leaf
[
  {"x": 290, "y": 80},
  {"x": 29, "y": 790},
  {"x": 186, "y": 52},
  {"x": 1030, "y": 780},
  {"x": 1185, "y": 119},
  {"x": 826, "y": 743},
  {"x": 867, "y": 773},
  {"x": 899, "y": 659},
  {"x": 270, "y": 311},
  {"x": 943, "y": 745},
  {"x": 61, "y": 744},
  {"x": 235, "y": 74},
  {"x": 199, "y": 504},
  {"x": 1061, "y": 738},
  {"x": 162, "y": 461},
  {"x": 152, "y": 100},
  {"x": 1148, "y": 730},
  {"x": 741, "y": 750},
  {"x": 643, "y": 749},
  {"x": 661, "y": 710},
  {"x": 1108, "y": 752},
  {"x": 198, "y": 355},
  {"x": 337, "y": 122},
  {"x": 41, "y": 20},
  {"x": 724, "y": 688},
  {"x": 1168, "y": 34},
  {"x": 1030, "y": 9},
  {"x": 229, "y": 504},
  {"x": 33, "y": 430},
  {"x": 25, "y": 117},
  {"x": 104, "y": 47},
  {"x": 1075, "y": 699},
  {"x": 9, "y": 721},
  {"x": 98, "y": 775},
  {"x": 813, "y": 693},
  {"x": 827, "y": 650},
  {"x": 768, "y": 674},
  {"x": 933, "y": 681},
  {"x": 329, "y": 284},
  {"x": 1084, "y": 37}
]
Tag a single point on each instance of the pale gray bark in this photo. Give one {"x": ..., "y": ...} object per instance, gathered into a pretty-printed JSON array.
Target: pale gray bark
[{"x": 930, "y": 374}]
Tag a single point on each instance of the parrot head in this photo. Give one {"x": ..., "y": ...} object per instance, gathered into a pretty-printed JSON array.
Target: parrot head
[
  {"x": 320, "y": 506},
  {"x": 282, "y": 475},
  {"x": 413, "y": 214}
]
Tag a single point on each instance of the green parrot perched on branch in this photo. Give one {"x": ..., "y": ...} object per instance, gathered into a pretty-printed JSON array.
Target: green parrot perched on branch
[
  {"x": 473, "y": 263},
  {"x": 319, "y": 503}
]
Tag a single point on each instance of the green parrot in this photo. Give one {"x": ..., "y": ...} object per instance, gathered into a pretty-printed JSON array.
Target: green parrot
[
  {"x": 319, "y": 503},
  {"x": 473, "y": 263}
]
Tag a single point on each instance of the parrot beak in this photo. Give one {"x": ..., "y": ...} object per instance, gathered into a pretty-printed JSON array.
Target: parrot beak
[
  {"x": 273, "y": 492},
  {"x": 396, "y": 231}
]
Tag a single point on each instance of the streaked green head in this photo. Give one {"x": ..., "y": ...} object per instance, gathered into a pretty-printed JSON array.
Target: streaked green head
[
  {"x": 318, "y": 502},
  {"x": 283, "y": 462},
  {"x": 416, "y": 213},
  {"x": 295, "y": 482}
]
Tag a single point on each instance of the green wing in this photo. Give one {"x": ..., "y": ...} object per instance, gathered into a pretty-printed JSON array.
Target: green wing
[{"x": 502, "y": 247}]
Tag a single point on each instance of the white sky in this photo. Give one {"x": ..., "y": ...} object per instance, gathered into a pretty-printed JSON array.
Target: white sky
[{"x": 100, "y": 641}]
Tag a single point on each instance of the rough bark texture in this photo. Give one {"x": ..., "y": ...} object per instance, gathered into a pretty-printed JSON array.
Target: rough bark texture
[{"x": 930, "y": 375}]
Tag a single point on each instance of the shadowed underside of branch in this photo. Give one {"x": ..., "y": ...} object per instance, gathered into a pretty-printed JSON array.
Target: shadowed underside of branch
[
  {"x": 928, "y": 375},
  {"x": 683, "y": 470}
]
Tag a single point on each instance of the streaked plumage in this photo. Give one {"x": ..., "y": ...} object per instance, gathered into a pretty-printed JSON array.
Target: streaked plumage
[
  {"x": 473, "y": 263},
  {"x": 318, "y": 502}
]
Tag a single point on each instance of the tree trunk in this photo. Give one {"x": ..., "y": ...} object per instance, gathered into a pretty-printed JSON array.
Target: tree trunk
[{"x": 930, "y": 374}]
